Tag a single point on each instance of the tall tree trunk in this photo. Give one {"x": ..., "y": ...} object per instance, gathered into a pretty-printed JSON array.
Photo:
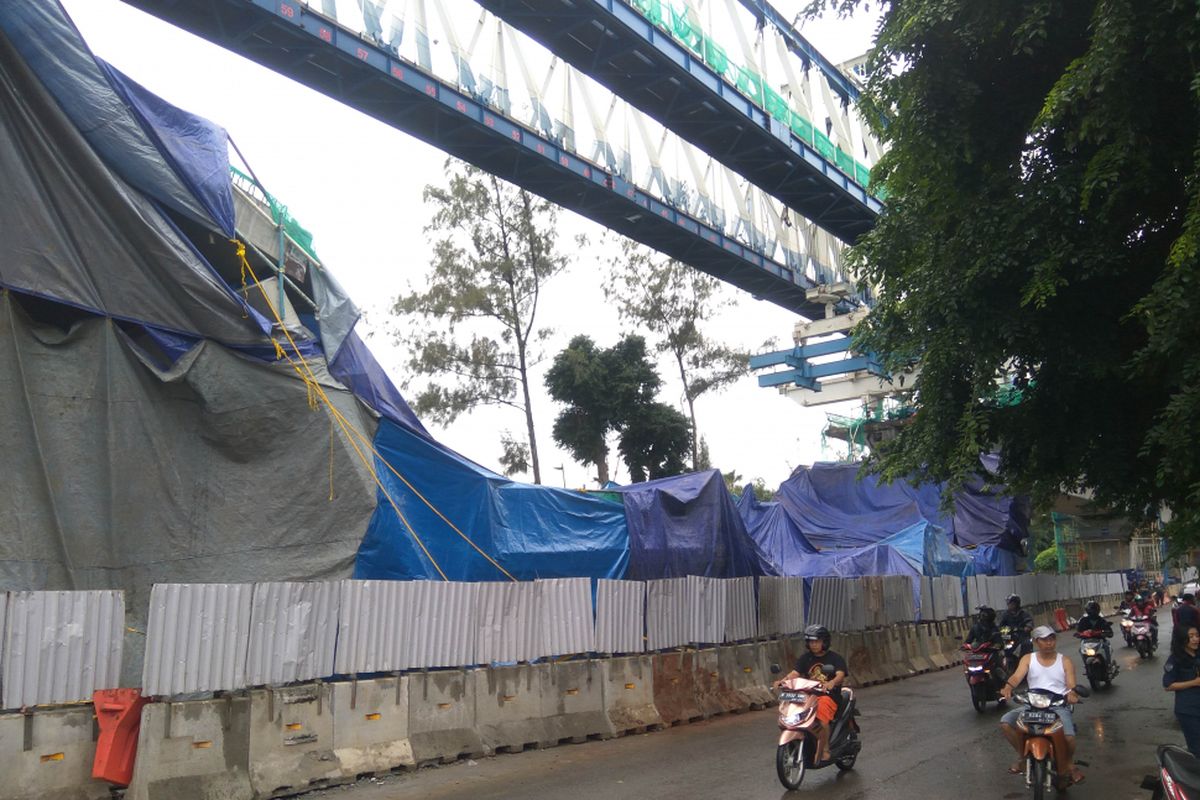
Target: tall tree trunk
[
  {"x": 533, "y": 453},
  {"x": 602, "y": 468},
  {"x": 691, "y": 403}
]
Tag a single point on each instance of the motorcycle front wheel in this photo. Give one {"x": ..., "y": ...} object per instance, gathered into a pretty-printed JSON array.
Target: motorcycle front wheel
[
  {"x": 1037, "y": 779},
  {"x": 978, "y": 697},
  {"x": 789, "y": 763}
]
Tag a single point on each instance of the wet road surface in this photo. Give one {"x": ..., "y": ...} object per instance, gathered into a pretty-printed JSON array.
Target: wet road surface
[{"x": 922, "y": 739}]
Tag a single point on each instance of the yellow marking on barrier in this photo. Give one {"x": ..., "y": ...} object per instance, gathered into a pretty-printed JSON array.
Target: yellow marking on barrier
[
  {"x": 443, "y": 706},
  {"x": 674, "y": 680},
  {"x": 294, "y": 726},
  {"x": 746, "y": 669},
  {"x": 572, "y": 691},
  {"x": 714, "y": 674},
  {"x": 507, "y": 697},
  {"x": 631, "y": 686},
  {"x": 205, "y": 745},
  {"x": 53, "y": 757},
  {"x": 374, "y": 717}
]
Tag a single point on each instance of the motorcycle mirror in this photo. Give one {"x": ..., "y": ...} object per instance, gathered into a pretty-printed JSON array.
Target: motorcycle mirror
[
  {"x": 775, "y": 670},
  {"x": 1083, "y": 691}
]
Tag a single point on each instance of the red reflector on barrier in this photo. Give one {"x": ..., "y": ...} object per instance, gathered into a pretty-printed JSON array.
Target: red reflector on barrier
[{"x": 119, "y": 715}]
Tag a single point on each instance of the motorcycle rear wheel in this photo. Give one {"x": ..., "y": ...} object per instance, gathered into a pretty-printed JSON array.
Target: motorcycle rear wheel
[
  {"x": 789, "y": 763},
  {"x": 846, "y": 763}
]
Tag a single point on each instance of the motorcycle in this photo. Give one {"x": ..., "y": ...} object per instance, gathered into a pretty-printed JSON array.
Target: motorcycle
[
  {"x": 797, "y": 749},
  {"x": 984, "y": 673},
  {"x": 1044, "y": 737},
  {"x": 1010, "y": 640},
  {"x": 1126, "y": 627},
  {"x": 1097, "y": 659},
  {"x": 1143, "y": 637},
  {"x": 1178, "y": 775}
]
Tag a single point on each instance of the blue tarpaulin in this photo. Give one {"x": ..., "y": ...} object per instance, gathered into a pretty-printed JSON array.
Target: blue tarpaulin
[
  {"x": 778, "y": 539},
  {"x": 531, "y": 531},
  {"x": 930, "y": 552},
  {"x": 992, "y": 560},
  {"x": 686, "y": 525}
]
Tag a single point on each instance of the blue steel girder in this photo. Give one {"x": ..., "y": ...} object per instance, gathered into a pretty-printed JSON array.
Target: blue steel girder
[
  {"x": 760, "y": 150},
  {"x": 300, "y": 43},
  {"x": 804, "y": 373}
]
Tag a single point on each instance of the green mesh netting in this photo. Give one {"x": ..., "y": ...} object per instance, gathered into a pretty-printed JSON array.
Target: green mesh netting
[
  {"x": 297, "y": 232},
  {"x": 651, "y": 10},
  {"x": 844, "y": 161},
  {"x": 824, "y": 145},
  {"x": 715, "y": 57},
  {"x": 862, "y": 174}
]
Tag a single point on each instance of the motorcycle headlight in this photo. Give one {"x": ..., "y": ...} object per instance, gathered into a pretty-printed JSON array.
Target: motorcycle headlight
[
  {"x": 794, "y": 719},
  {"x": 1091, "y": 651},
  {"x": 1039, "y": 701}
]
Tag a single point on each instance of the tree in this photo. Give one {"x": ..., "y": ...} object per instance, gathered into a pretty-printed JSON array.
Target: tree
[
  {"x": 1046, "y": 560},
  {"x": 495, "y": 247},
  {"x": 611, "y": 391},
  {"x": 672, "y": 301},
  {"x": 654, "y": 442},
  {"x": 1042, "y": 225}
]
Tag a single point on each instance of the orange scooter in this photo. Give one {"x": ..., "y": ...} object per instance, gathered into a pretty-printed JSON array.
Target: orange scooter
[{"x": 1044, "y": 737}]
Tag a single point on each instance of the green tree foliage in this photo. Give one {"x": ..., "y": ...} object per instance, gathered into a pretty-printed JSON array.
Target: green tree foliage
[
  {"x": 673, "y": 301},
  {"x": 611, "y": 391},
  {"x": 514, "y": 454},
  {"x": 1046, "y": 560},
  {"x": 1043, "y": 224},
  {"x": 472, "y": 331}
]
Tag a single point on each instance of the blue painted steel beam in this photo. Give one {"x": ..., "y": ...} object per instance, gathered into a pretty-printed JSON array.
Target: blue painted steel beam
[
  {"x": 798, "y": 355},
  {"x": 619, "y": 48},
  {"x": 296, "y": 41},
  {"x": 805, "y": 374}
]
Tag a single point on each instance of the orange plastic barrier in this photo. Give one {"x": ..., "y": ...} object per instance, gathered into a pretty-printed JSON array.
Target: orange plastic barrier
[
  {"x": 1060, "y": 619},
  {"x": 119, "y": 714}
]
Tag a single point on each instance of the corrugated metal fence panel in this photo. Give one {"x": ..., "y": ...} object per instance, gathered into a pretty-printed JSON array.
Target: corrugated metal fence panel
[
  {"x": 293, "y": 630},
  {"x": 3, "y": 634},
  {"x": 666, "y": 613},
  {"x": 196, "y": 638},
  {"x": 620, "y": 616},
  {"x": 949, "y": 597},
  {"x": 741, "y": 621},
  {"x": 376, "y": 626},
  {"x": 1026, "y": 587},
  {"x": 507, "y": 615},
  {"x": 446, "y": 625},
  {"x": 61, "y": 646},
  {"x": 705, "y": 609},
  {"x": 900, "y": 598},
  {"x": 780, "y": 606},
  {"x": 838, "y": 604},
  {"x": 566, "y": 623}
]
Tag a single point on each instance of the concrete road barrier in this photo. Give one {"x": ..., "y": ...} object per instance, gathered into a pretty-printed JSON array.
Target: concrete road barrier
[
  {"x": 715, "y": 692},
  {"x": 370, "y": 725},
  {"x": 198, "y": 748},
  {"x": 47, "y": 755},
  {"x": 744, "y": 667},
  {"x": 441, "y": 715},
  {"x": 675, "y": 687},
  {"x": 628, "y": 694},
  {"x": 291, "y": 740},
  {"x": 573, "y": 701},
  {"x": 508, "y": 708}
]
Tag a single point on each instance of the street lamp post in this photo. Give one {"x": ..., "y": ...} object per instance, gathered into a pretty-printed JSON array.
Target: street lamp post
[{"x": 563, "y": 469}]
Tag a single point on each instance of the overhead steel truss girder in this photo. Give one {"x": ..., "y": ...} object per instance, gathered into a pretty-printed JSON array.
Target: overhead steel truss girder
[
  {"x": 620, "y": 49},
  {"x": 298, "y": 42},
  {"x": 805, "y": 374}
]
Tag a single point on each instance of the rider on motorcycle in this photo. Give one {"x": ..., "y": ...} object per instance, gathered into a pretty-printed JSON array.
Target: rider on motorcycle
[
  {"x": 984, "y": 629},
  {"x": 1020, "y": 620},
  {"x": 1092, "y": 621},
  {"x": 810, "y": 665},
  {"x": 1052, "y": 671},
  {"x": 1127, "y": 603},
  {"x": 1144, "y": 607}
]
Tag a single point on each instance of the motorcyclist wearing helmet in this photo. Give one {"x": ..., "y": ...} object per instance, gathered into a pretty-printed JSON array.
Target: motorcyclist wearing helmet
[
  {"x": 1093, "y": 621},
  {"x": 812, "y": 665},
  {"x": 1143, "y": 606},
  {"x": 984, "y": 629},
  {"x": 1127, "y": 603},
  {"x": 1020, "y": 620}
]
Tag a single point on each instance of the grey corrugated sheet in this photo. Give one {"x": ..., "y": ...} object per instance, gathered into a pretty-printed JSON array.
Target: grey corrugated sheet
[
  {"x": 386, "y": 626},
  {"x": 59, "y": 647},
  {"x": 900, "y": 597},
  {"x": 837, "y": 603},
  {"x": 565, "y": 612},
  {"x": 293, "y": 629},
  {"x": 705, "y": 609},
  {"x": 666, "y": 613},
  {"x": 620, "y": 616},
  {"x": 741, "y": 619},
  {"x": 780, "y": 606},
  {"x": 196, "y": 638},
  {"x": 507, "y": 615},
  {"x": 445, "y": 625},
  {"x": 3, "y": 635}
]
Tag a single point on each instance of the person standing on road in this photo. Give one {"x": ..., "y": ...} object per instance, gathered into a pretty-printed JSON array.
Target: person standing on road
[
  {"x": 1047, "y": 669},
  {"x": 1181, "y": 675},
  {"x": 812, "y": 665},
  {"x": 1187, "y": 615}
]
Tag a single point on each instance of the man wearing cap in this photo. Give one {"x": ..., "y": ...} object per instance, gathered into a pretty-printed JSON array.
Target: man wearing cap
[{"x": 1045, "y": 668}]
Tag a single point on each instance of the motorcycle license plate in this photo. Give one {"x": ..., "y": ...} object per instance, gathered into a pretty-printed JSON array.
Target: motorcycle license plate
[
  {"x": 792, "y": 697},
  {"x": 1040, "y": 717}
]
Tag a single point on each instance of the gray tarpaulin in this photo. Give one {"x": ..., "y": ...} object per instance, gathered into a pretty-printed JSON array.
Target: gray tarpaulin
[
  {"x": 75, "y": 232},
  {"x": 118, "y": 475}
]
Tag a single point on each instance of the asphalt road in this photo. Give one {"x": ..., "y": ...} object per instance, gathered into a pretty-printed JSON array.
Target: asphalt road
[{"x": 922, "y": 739}]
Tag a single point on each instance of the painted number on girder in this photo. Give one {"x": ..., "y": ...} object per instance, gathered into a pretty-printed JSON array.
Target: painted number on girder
[
  {"x": 516, "y": 135},
  {"x": 489, "y": 120},
  {"x": 286, "y": 10},
  {"x": 397, "y": 72},
  {"x": 461, "y": 106},
  {"x": 361, "y": 53},
  {"x": 325, "y": 35},
  {"x": 431, "y": 89}
]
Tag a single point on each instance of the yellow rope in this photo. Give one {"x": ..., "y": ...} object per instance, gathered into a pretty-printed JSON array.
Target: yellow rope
[
  {"x": 331, "y": 460},
  {"x": 350, "y": 430}
]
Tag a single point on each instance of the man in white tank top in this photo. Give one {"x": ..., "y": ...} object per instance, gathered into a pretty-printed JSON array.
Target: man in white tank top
[{"x": 1047, "y": 669}]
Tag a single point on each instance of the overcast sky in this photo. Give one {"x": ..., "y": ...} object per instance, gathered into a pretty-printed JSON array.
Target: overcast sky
[{"x": 356, "y": 184}]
